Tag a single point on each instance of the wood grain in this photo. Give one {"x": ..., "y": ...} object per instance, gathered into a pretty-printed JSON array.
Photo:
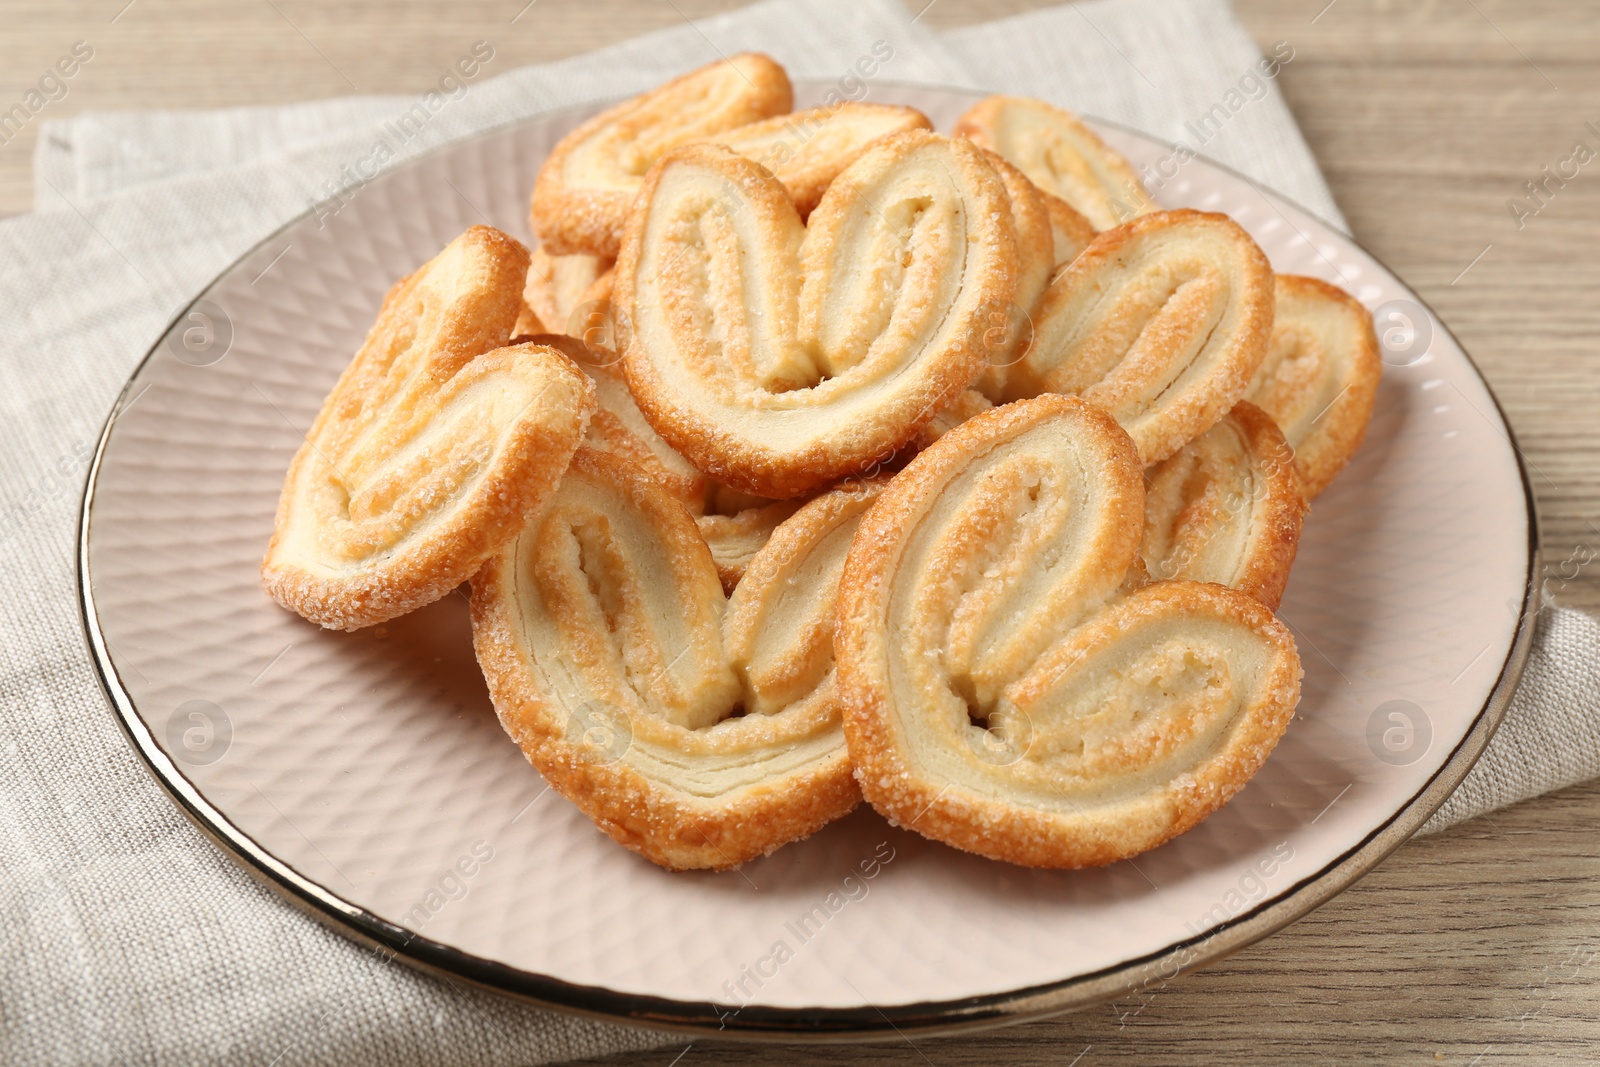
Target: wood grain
[{"x": 1479, "y": 946}]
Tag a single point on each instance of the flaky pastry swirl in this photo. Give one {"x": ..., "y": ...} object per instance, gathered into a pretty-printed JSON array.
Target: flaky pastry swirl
[
  {"x": 1319, "y": 379},
  {"x": 696, "y": 731},
  {"x": 735, "y": 538},
  {"x": 1227, "y": 508},
  {"x": 431, "y": 451},
  {"x": 1060, "y": 155},
  {"x": 1161, "y": 323},
  {"x": 586, "y": 185},
  {"x": 1007, "y": 689},
  {"x": 780, "y": 356}
]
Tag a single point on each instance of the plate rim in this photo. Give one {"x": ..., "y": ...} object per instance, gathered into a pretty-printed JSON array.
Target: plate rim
[{"x": 834, "y": 1024}]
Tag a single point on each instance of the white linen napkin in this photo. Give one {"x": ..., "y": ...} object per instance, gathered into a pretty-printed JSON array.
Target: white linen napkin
[{"x": 128, "y": 936}]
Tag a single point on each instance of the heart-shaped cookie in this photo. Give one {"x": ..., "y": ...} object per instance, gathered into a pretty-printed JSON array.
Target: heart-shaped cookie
[
  {"x": 1060, "y": 155},
  {"x": 1007, "y": 689},
  {"x": 1161, "y": 322},
  {"x": 433, "y": 448},
  {"x": 697, "y": 731},
  {"x": 1319, "y": 378},
  {"x": 778, "y": 356},
  {"x": 1227, "y": 508},
  {"x": 805, "y": 150}
]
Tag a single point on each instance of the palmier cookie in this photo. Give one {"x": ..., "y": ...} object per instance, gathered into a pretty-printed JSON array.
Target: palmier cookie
[
  {"x": 1060, "y": 155},
  {"x": 807, "y": 149},
  {"x": 433, "y": 448},
  {"x": 1006, "y": 690},
  {"x": 1161, "y": 322},
  {"x": 1320, "y": 376},
  {"x": 587, "y": 183},
  {"x": 1226, "y": 508},
  {"x": 696, "y": 731},
  {"x": 779, "y": 357}
]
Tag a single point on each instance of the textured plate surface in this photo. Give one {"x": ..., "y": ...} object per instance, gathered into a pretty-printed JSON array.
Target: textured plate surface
[{"x": 366, "y": 773}]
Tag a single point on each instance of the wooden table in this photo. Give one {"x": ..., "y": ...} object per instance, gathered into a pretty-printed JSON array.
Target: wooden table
[{"x": 1475, "y": 947}]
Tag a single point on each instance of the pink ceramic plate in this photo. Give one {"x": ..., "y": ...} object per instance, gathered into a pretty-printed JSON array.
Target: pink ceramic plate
[{"x": 364, "y": 774}]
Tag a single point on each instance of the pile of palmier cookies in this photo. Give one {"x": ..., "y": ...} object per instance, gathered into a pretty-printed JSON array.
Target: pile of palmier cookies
[{"x": 816, "y": 456}]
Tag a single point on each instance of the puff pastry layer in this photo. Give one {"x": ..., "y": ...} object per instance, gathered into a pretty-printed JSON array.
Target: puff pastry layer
[
  {"x": 735, "y": 539},
  {"x": 1319, "y": 379},
  {"x": 1007, "y": 689},
  {"x": 1070, "y": 230},
  {"x": 433, "y": 448},
  {"x": 1060, "y": 155},
  {"x": 779, "y": 357},
  {"x": 696, "y": 731},
  {"x": 1227, "y": 508},
  {"x": 1009, "y": 337},
  {"x": 587, "y": 183},
  {"x": 1161, "y": 322}
]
